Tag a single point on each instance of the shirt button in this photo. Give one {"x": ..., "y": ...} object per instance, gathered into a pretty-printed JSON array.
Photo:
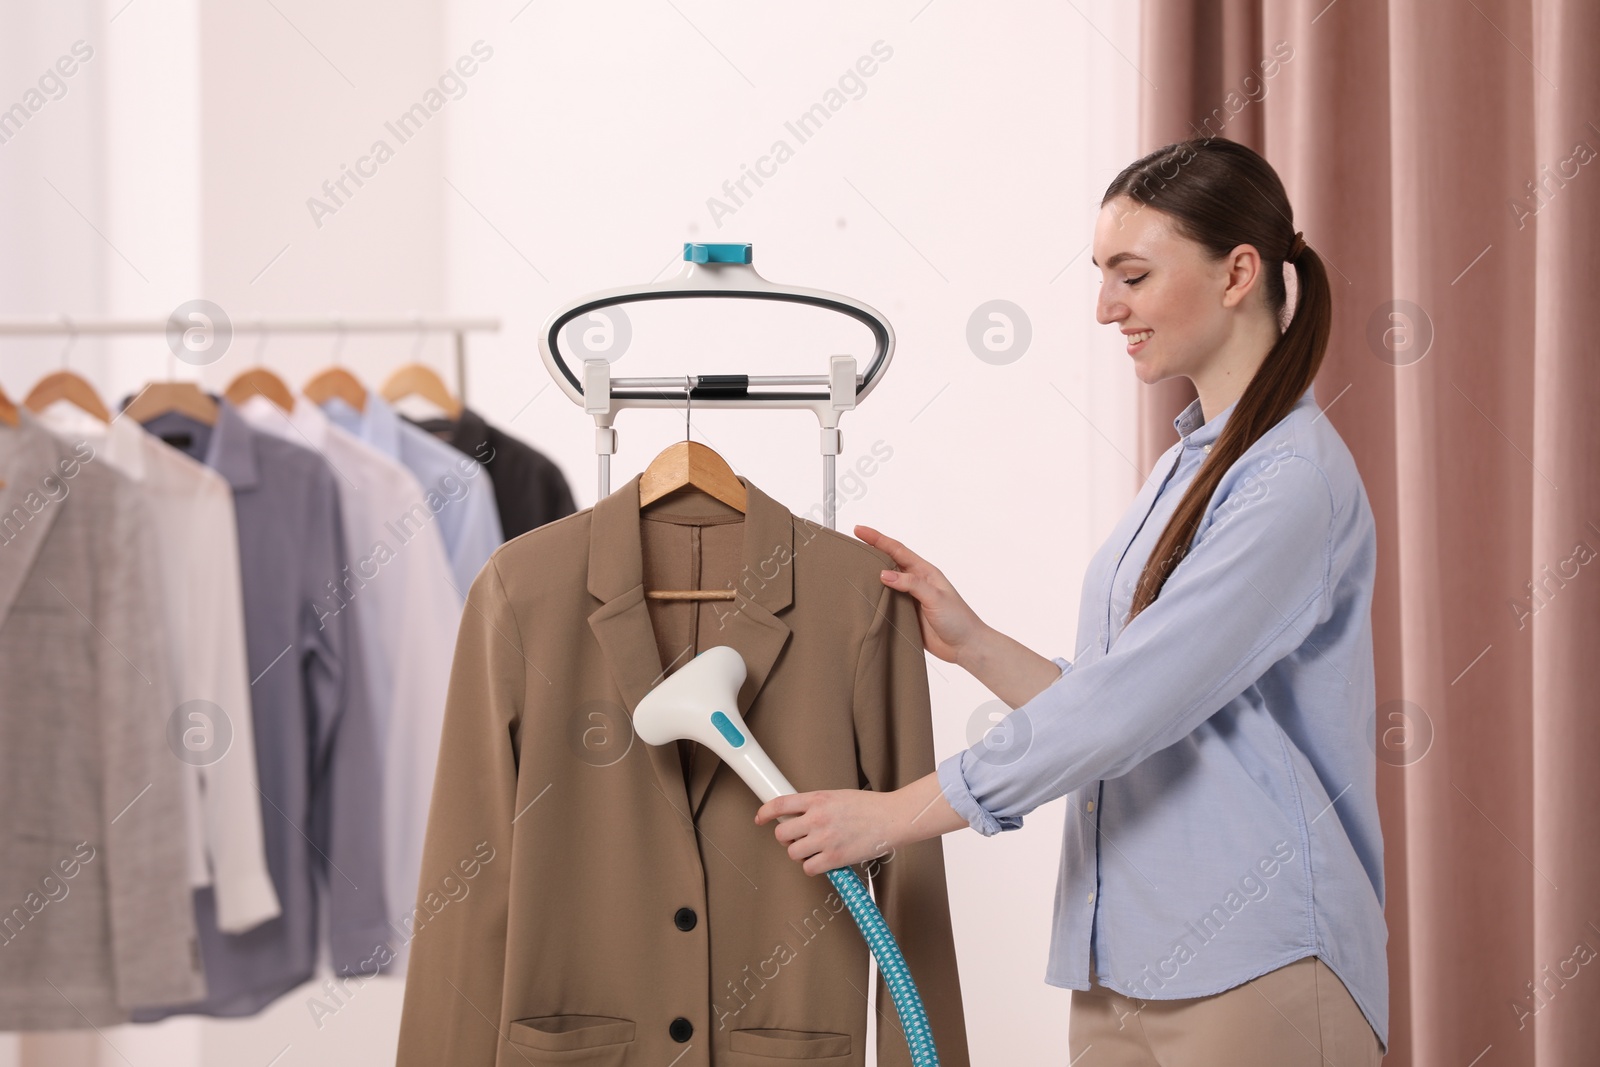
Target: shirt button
[
  {"x": 684, "y": 918},
  {"x": 1205, "y": 448},
  {"x": 681, "y": 1029},
  {"x": 1091, "y": 805},
  {"x": 1091, "y": 898}
]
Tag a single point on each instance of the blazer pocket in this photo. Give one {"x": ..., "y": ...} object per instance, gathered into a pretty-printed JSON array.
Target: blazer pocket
[
  {"x": 592, "y": 1040},
  {"x": 790, "y": 1044}
]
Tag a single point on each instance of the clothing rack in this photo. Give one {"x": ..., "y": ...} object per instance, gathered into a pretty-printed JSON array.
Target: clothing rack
[
  {"x": 65, "y": 326},
  {"x": 719, "y": 270}
]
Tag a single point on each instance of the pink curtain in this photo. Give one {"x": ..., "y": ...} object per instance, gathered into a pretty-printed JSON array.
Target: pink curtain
[{"x": 1445, "y": 162}]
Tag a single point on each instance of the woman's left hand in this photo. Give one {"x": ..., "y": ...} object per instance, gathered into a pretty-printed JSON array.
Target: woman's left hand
[{"x": 833, "y": 827}]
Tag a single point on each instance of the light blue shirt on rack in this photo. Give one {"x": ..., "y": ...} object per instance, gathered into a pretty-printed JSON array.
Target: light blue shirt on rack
[
  {"x": 1218, "y": 752},
  {"x": 459, "y": 491}
]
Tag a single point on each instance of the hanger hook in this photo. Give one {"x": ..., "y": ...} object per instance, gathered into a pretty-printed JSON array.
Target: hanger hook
[
  {"x": 338, "y": 339},
  {"x": 688, "y": 404},
  {"x": 72, "y": 338},
  {"x": 416, "y": 349}
]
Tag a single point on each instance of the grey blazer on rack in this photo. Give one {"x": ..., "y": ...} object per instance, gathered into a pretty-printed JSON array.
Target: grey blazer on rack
[{"x": 95, "y": 908}]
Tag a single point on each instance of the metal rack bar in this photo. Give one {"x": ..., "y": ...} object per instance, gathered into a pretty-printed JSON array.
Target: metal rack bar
[
  {"x": 17, "y": 327},
  {"x": 66, "y": 326},
  {"x": 696, "y": 381}
]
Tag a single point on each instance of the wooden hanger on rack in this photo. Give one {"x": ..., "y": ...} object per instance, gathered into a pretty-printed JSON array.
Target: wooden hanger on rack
[
  {"x": 9, "y": 416},
  {"x": 185, "y": 398},
  {"x": 259, "y": 380},
  {"x": 181, "y": 397},
  {"x": 66, "y": 384},
  {"x": 335, "y": 381},
  {"x": 69, "y": 386},
  {"x": 419, "y": 379},
  {"x": 688, "y": 464}
]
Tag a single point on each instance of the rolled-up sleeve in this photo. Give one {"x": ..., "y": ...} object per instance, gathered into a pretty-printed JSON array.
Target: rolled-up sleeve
[
  {"x": 1247, "y": 594},
  {"x": 952, "y": 771}
]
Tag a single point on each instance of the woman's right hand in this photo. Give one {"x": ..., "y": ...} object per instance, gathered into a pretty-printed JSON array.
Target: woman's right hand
[{"x": 949, "y": 627}]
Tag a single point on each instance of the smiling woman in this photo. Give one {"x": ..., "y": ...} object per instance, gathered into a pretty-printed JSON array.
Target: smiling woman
[
  {"x": 1204, "y": 258},
  {"x": 1225, "y": 665}
]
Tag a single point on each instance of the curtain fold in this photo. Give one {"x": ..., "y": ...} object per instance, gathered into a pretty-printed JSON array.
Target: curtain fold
[
  {"x": 1444, "y": 165},
  {"x": 1565, "y": 697}
]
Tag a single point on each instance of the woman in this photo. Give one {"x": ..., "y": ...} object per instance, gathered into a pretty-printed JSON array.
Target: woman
[{"x": 1220, "y": 897}]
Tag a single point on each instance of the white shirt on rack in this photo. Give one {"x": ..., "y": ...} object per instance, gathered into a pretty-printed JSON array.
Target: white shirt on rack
[
  {"x": 407, "y": 612},
  {"x": 197, "y": 548}
]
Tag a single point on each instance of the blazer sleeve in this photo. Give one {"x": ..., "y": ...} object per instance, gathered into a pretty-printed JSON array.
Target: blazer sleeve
[
  {"x": 452, "y": 1007},
  {"x": 894, "y": 739}
]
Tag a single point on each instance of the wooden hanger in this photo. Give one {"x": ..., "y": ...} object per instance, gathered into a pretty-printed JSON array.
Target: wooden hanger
[
  {"x": 691, "y": 464},
  {"x": 8, "y": 413},
  {"x": 9, "y": 416},
  {"x": 185, "y": 398},
  {"x": 419, "y": 379},
  {"x": 336, "y": 382},
  {"x": 260, "y": 380},
  {"x": 69, "y": 386}
]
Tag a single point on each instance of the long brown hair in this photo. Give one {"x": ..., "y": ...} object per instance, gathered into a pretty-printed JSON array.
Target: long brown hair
[{"x": 1221, "y": 194}]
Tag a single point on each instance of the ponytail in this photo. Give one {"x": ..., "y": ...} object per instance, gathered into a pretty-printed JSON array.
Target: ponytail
[{"x": 1224, "y": 194}]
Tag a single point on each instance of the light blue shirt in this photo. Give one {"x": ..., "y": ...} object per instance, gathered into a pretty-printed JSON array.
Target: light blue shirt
[
  {"x": 1217, "y": 753},
  {"x": 459, "y": 493}
]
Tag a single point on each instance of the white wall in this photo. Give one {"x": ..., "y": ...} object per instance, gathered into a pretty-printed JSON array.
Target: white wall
[{"x": 580, "y": 156}]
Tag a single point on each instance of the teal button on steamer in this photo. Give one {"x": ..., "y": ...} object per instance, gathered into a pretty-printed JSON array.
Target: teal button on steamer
[{"x": 700, "y": 702}]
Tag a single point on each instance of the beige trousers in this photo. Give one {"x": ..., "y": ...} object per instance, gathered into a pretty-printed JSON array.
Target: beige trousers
[{"x": 1299, "y": 1015}]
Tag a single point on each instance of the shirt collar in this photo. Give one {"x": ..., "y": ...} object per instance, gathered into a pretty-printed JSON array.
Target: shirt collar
[
  {"x": 232, "y": 449},
  {"x": 378, "y": 423},
  {"x": 125, "y": 442},
  {"x": 307, "y": 422},
  {"x": 229, "y": 446},
  {"x": 471, "y": 433},
  {"x": 122, "y": 440},
  {"x": 1198, "y": 431}
]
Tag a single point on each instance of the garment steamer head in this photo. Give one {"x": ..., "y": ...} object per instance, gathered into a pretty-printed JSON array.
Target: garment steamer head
[{"x": 700, "y": 702}]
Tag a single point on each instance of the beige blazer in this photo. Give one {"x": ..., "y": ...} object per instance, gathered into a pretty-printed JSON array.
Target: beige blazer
[{"x": 588, "y": 898}]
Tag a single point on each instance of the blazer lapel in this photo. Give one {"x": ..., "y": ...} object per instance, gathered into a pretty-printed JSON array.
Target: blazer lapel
[
  {"x": 31, "y": 489},
  {"x": 622, "y": 625},
  {"x": 764, "y": 588}
]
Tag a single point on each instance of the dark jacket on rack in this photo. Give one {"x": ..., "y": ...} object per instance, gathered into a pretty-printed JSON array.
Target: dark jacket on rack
[
  {"x": 529, "y": 489},
  {"x": 589, "y": 898}
]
